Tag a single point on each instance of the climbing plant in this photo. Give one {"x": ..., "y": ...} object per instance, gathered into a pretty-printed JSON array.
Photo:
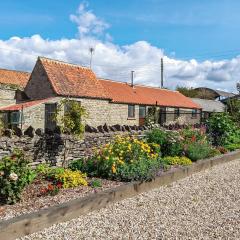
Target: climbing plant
[{"x": 70, "y": 116}]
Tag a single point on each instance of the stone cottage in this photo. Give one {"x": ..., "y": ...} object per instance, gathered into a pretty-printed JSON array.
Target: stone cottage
[
  {"x": 106, "y": 101},
  {"x": 11, "y": 85}
]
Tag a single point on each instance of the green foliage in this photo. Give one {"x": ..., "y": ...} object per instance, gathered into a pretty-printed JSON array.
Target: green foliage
[
  {"x": 196, "y": 151},
  {"x": 188, "y": 92},
  {"x": 177, "y": 160},
  {"x": 14, "y": 176},
  {"x": 169, "y": 141},
  {"x": 96, "y": 183},
  {"x": 222, "y": 129},
  {"x": 233, "y": 107},
  {"x": 233, "y": 146},
  {"x": 151, "y": 119},
  {"x": 72, "y": 120},
  {"x": 124, "y": 159}
]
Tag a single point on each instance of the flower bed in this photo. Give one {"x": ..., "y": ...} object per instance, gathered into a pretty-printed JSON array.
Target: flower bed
[{"x": 125, "y": 159}]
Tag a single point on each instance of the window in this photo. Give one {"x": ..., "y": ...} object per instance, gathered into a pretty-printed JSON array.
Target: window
[
  {"x": 142, "y": 111},
  {"x": 194, "y": 113},
  {"x": 176, "y": 113},
  {"x": 16, "y": 118},
  {"x": 131, "y": 111}
]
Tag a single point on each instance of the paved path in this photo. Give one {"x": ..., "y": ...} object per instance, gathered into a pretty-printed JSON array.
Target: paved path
[{"x": 203, "y": 206}]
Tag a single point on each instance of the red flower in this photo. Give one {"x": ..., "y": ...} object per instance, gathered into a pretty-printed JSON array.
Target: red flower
[
  {"x": 50, "y": 187},
  {"x": 193, "y": 138},
  {"x": 59, "y": 185}
]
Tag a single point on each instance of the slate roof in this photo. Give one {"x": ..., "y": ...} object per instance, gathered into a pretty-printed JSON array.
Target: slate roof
[
  {"x": 12, "y": 77},
  {"x": 210, "y": 105}
]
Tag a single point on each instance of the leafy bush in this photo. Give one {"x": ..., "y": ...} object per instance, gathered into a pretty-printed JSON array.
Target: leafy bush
[
  {"x": 190, "y": 135},
  {"x": 96, "y": 183},
  {"x": 71, "y": 179},
  {"x": 196, "y": 151},
  {"x": 124, "y": 159},
  {"x": 14, "y": 176},
  {"x": 222, "y": 129},
  {"x": 233, "y": 146},
  {"x": 170, "y": 142},
  {"x": 177, "y": 160}
]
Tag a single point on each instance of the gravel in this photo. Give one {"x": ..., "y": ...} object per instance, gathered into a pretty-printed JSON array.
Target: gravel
[{"x": 205, "y": 205}]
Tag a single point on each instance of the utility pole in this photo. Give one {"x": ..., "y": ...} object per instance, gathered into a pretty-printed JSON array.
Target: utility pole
[
  {"x": 238, "y": 87},
  {"x": 132, "y": 76},
  {"x": 91, "y": 50},
  {"x": 161, "y": 72}
]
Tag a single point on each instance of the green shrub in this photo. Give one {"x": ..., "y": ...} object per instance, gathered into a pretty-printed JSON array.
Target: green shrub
[
  {"x": 177, "y": 160},
  {"x": 233, "y": 146},
  {"x": 124, "y": 159},
  {"x": 14, "y": 176},
  {"x": 170, "y": 142},
  {"x": 196, "y": 151},
  {"x": 222, "y": 129},
  {"x": 96, "y": 183}
]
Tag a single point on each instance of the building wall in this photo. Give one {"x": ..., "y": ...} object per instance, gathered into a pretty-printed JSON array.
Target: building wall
[
  {"x": 7, "y": 96},
  {"x": 38, "y": 86},
  {"x": 99, "y": 113}
]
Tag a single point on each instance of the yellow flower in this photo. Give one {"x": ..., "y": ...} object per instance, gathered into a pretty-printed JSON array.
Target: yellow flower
[{"x": 114, "y": 169}]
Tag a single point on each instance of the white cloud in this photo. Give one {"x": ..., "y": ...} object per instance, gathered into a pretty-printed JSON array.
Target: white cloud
[
  {"x": 88, "y": 23},
  {"x": 116, "y": 62}
]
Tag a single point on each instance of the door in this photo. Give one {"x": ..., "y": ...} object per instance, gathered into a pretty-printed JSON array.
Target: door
[
  {"x": 162, "y": 116},
  {"x": 142, "y": 115},
  {"x": 50, "y": 110}
]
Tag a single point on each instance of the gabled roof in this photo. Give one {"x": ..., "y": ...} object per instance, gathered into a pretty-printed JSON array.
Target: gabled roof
[
  {"x": 72, "y": 80},
  {"x": 210, "y": 105},
  {"x": 121, "y": 92},
  {"x": 23, "y": 105},
  {"x": 12, "y": 77},
  {"x": 215, "y": 93}
]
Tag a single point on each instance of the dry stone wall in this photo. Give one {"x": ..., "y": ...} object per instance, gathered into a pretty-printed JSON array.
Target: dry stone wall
[{"x": 42, "y": 148}]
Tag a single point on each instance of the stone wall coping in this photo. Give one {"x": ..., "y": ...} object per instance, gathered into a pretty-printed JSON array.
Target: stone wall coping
[{"x": 33, "y": 222}]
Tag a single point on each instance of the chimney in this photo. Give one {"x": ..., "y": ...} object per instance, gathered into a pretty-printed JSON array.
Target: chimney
[{"x": 132, "y": 76}]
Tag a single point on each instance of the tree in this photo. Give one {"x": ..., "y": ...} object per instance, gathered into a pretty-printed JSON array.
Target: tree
[
  {"x": 188, "y": 92},
  {"x": 70, "y": 116}
]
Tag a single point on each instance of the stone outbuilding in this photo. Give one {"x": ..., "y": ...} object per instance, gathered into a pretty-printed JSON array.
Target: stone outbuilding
[{"x": 106, "y": 101}]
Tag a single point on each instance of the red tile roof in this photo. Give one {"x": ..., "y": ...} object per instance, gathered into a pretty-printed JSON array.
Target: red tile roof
[
  {"x": 72, "y": 80},
  {"x": 14, "y": 77},
  {"x": 123, "y": 93},
  {"x": 19, "y": 106}
]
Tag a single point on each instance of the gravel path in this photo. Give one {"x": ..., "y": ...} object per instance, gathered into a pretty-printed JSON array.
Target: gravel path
[{"x": 203, "y": 206}]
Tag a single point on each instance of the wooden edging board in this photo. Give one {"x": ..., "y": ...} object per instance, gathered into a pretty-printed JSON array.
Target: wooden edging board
[{"x": 33, "y": 222}]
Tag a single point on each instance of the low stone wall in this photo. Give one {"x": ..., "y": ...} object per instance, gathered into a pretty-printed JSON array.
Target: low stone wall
[{"x": 50, "y": 147}]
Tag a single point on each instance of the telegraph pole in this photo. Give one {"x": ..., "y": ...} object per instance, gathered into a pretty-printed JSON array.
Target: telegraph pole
[
  {"x": 161, "y": 72},
  {"x": 91, "y": 50}
]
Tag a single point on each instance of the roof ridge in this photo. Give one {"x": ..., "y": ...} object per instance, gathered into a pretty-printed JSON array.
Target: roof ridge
[
  {"x": 63, "y": 62},
  {"x": 14, "y": 70},
  {"x": 138, "y": 85}
]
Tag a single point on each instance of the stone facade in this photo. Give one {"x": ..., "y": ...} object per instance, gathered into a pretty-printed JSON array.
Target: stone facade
[
  {"x": 38, "y": 86},
  {"x": 7, "y": 96}
]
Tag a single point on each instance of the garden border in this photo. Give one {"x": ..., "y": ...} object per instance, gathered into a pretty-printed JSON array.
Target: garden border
[{"x": 33, "y": 222}]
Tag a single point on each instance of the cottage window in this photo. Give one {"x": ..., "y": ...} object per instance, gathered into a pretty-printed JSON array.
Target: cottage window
[
  {"x": 176, "y": 113},
  {"x": 142, "y": 111},
  {"x": 16, "y": 118},
  {"x": 194, "y": 113},
  {"x": 131, "y": 111}
]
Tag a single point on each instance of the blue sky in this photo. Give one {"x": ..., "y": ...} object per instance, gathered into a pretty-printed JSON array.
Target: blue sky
[
  {"x": 198, "y": 40},
  {"x": 189, "y": 28}
]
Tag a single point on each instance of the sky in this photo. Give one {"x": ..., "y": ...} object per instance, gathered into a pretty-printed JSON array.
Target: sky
[{"x": 198, "y": 40}]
